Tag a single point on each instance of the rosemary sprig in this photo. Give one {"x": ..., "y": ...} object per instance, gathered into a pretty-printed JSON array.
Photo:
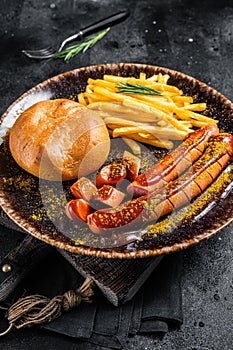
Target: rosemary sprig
[
  {"x": 139, "y": 89},
  {"x": 74, "y": 50}
]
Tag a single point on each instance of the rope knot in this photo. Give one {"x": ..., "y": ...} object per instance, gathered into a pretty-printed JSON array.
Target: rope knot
[
  {"x": 70, "y": 300},
  {"x": 38, "y": 309}
]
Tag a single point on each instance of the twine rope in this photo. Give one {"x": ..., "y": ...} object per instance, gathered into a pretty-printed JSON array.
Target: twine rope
[{"x": 38, "y": 309}]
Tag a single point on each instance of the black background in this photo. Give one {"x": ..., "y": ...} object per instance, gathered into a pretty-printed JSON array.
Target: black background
[{"x": 195, "y": 37}]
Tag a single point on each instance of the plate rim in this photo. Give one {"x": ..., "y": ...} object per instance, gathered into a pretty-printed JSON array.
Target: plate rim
[{"x": 111, "y": 252}]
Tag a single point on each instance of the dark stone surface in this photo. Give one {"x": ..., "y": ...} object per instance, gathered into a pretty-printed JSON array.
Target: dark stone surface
[{"x": 194, "y": 37}]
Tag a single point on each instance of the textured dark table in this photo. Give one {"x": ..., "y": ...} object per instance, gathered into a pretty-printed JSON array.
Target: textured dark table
[{"x": 195, "y": 37}]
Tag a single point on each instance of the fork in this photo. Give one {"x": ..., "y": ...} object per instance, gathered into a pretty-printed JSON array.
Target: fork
[{"x": 93, "y": 28}]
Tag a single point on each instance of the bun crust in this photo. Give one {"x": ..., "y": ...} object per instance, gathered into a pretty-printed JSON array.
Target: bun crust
[{"x": 59, "y": 140}]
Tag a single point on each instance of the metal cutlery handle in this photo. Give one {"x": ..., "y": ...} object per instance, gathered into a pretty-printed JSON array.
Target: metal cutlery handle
[
  {"x": 105, "y": 23},
  {"x": 97, "y": 26}
]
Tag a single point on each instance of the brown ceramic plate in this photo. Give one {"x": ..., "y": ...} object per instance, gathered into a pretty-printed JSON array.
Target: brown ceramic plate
[{"x": 38, "y": 206}]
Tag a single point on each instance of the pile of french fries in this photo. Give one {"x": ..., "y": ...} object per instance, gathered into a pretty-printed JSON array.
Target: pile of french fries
[{"x": 157, "y": 120}]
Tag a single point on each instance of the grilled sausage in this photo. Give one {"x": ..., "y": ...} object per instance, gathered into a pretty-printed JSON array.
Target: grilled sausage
[
  {"x": 132, "y": 164},
  {"x": 83, "y": 188},
  {"x": 107, "y": 195},
  {"x": 78, "y": 210},
  {"x": 174, "y": 163},
  {"x": 111, "y": 174},
  {"x": 178, "y": 193}
]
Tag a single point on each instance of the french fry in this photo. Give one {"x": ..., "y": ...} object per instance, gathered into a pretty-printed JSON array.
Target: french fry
[
  {"x": 166, "y": 77},
  {"x": 102, "y": 114},
  {"x": 122, "y": 122},
  {"x": 127, "y": 130},
  {"x": 133, "y": 145},
  {"x": 166, "y": 88},
  {"x": 89, "y": 89},
  {"x": 114, "y": 78},
  {"x": 95, "y": 97},
  {"x": 198, "y": 123},
  {"x": 81, "y": 99},
  {"x": 120, "y": 111},
  {"x": 163, "y": 105},
  {"x": 187, "y": 123},
  {"x": 105, "y": 84},
  {"x": 182, "y": 99},
  {"x": 168, "y": 133},
  {"x": 157, "y": 143},
  {"x": 152, "y": 119},
  {"x": 107, "y": 93},
  {"x": 135, "y": 116},
  {"x": 163, "y": 79},
  {"x": 98, "y": 105},
  {"x": 187, "y": 115},
  {"x": 142, "y": 76},
  {"x": 146, "y": 136},
  {"x": 146, "y": 108},
  {"x": 153, "y": 78},
  {"x": 116, "y": 107},
  {"x": 197, "y": 107}
]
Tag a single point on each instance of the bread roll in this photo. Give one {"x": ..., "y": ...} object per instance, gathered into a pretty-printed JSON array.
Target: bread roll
[{"x": 59, "y": 140}]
